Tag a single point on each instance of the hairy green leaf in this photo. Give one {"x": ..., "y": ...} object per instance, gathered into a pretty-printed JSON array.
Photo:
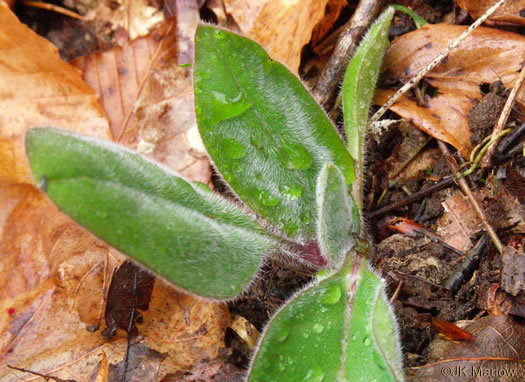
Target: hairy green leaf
[
  {"x": 267, "y": 136},
  {"x": 337, "y": 216},
  {"x": 178, "y": 229},
  {"x": 340, "y": 328},
  {"x": 358, "y": 89}
]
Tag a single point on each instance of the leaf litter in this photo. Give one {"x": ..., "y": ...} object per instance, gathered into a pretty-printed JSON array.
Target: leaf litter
[{"x": 154, "y": 352}]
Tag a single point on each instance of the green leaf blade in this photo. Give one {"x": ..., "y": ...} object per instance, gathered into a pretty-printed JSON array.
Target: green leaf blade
[
  {"x": 303, "y": 340},
  {"x": 361, "y": 344},
  {"x": 373, "y": 338},
  {"x": 267, "y": 136},
  {"x": 179, "y": 230},
  {"x": 360, "y": 82},
  {"x": 336, "y": 216}
]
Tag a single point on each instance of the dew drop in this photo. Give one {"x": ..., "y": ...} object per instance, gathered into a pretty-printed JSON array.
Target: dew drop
[
  {"x": 283, "y": 334},
  {"x": 220, "y": 97},
  {"x": 291, "y": 192},
  {"x": 306, "y": 334},
  {"x": 281, "y": 366},
  {"x": 318, "y": 328},
  {"x": 367, "y": 341},
  {"x": 233, "y": 99},
  {"x": 268, "y": 199},
  {"x": 234, "y": 149},
  {"x": 295, "y": 157},
  {"x": 332, "y": 295},
  {"x": 314, "y": 375},
  {"x": 218, "y": 34}
]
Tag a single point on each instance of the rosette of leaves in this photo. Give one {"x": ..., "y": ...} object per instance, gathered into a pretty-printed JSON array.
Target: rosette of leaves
[{"x": 281, "y": 155}]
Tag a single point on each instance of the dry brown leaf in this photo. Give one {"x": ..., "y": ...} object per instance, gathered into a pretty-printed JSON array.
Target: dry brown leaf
[
  {"x": 459, "y": 222},
  {"x": 53, "y": 281},
  {"x": 283, "y": 27},
  {"x": 509, "y": 13},
  {"x": 487, "y": 55},
  {"x": 149, "y": 98},
  {"x": 103, "y": 371},
  {"x": 496, "y": 354},
  {"x": 137, "y": 17},
  {"x": 38, "y": 90},
  {"x": 185, "y": 328},
  {"x": 332, "y": 12}
]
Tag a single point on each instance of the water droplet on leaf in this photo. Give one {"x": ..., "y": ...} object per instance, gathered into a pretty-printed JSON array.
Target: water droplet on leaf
[
  {"x": 332, "y": 295},
  {"x": 295, "y": 157},
  {"x": 318, "y": 328},
  {"x": 291, "y": 192},
  {"x": 314, "y": 375},
  {"x": 268, "y": 199},
  {"x": 235, "y": 149},
  {"x": 283, "y": 334}
]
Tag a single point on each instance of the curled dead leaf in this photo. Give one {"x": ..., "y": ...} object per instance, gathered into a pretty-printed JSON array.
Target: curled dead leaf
[{"x": 486, "y": 56}]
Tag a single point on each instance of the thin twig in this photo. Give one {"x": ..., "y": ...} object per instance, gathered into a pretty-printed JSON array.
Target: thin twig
[
  {"x": 328, "y": 83},
  {"x": 53, "y": 8},
  {"x": 504, "y": 116},
  {"x": 45, "y": 376},
  {"x": 445, "y": 182},
  {"x": 414, "y": 80},
  {"x": 466, "y": 189}
]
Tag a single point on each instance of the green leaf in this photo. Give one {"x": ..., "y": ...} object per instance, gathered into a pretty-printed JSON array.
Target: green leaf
[
  {"x": 358, "y": 89},
  {"x": 418, "y": 20},
  {"x": 181, "y": 231},
  {"x": 337, "y": 216},
  {"x": 340, "y": 328},
  {"x": 267, "y": 136}
]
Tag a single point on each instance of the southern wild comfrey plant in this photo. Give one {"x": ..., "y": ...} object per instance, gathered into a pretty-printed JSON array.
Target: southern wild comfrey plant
[{"x": 281, "y": 155}]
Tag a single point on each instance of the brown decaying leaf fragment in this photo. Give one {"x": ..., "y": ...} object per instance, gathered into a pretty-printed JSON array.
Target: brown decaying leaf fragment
[
  {"x": 486, "y": 56},
  {"x": 510, "y": 13},
  {"x": 450, "y": 331},
  {"x": 149, "y": 99},
  {"x": 496, "y": 354},
  {"x": 129, "y": 292},
  {"x": 38, "y": 90},
  {"x": 283, "y": 27}
]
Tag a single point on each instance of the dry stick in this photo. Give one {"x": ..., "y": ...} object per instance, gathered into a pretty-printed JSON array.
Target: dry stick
[
  {"x": 54, "y": 8},
  {"x": 328, "y": 83},
  {"x": 466, "y": 189},
  {"x": 414, "y": 80},
  {"x": 487, "y": 160},
  {"x": 445, "y": 182}
]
